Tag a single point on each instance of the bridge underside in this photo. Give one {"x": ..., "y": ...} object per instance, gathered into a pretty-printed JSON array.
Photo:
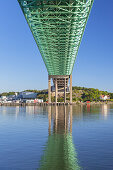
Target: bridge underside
[
  {"x": 61, "y": 81},
  {"x": 57, "y": 27}
]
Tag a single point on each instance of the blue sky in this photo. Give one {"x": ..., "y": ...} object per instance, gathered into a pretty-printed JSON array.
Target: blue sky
[{"x": 22, "y": 67}]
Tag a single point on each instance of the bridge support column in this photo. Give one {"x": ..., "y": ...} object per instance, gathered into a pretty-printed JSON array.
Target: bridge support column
[
  {"x": 64, "y": 90},
  {"x": 61, "y": 84},
  {"x": 49, "y": 89},
  {"x": 70, "y": 89},
  {"x": 56, "y": 90}
]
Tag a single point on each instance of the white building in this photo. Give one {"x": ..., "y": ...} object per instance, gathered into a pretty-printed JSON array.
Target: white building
[
  {"x": 38, "y": 101},
  {"x": 3, "y": 99},
  {"x": 104, "y": 97},
  {"x": 32, "y": 100}
]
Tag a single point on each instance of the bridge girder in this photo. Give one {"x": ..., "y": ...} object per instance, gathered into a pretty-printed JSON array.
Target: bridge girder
[{"x": 57, "y": 27}]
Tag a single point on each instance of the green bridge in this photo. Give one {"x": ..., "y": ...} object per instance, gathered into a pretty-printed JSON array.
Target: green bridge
[{"x": 57, "y": 27}]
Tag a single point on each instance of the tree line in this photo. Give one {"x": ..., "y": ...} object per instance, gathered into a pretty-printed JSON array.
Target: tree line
[{"x": 79, "y": 94}]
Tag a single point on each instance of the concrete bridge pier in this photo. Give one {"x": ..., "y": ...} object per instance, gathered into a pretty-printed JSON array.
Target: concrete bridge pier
[
  {"x": 61, "y": 84},
  {"x": 56, "y": 90},
  {"x": 71, "y": 89},
  {"x": 49, "y": 89},
  {"x": 64, "y": 90}
]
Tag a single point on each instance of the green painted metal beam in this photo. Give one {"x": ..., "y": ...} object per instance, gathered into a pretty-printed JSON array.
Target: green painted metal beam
[{"x": 57, "y": 27}]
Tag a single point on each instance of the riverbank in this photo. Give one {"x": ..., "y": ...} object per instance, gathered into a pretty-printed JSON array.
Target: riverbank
[{"x": 51, "y": 104}]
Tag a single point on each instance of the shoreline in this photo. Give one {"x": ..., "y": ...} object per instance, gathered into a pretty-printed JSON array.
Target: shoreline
[{"x": 54, "y": 104}]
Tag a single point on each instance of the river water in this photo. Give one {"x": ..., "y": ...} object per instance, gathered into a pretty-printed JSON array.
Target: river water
[{"x": 56, "y": 138}]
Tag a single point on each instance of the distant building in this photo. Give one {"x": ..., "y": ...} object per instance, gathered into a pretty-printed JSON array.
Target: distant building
[
  {"x": 32, "y": 100},
  {"x": 22, "y": 97},
  {"x": 11, "y": 97},
  {"x": 3, "y": 99},
  {"x": 104, "y": 97},
  {"x": 26, "y": 95},
  {"x": 38, "y": 101},
  {"x": 28, "y": 101}
]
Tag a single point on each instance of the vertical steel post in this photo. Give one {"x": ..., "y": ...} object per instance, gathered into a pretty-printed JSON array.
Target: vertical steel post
[
  {"x": 49, "y": 89},
  {"x": 56, "y": 90},
  {"x": 70, "y": 89},
  {"x": 64, "y": 90}
]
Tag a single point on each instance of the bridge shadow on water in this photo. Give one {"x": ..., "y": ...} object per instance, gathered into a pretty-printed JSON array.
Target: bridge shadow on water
[{"x": 59, "y": 152}]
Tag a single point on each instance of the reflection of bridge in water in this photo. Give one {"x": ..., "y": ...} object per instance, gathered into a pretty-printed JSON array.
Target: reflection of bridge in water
[{"x": 59, "y": 152}]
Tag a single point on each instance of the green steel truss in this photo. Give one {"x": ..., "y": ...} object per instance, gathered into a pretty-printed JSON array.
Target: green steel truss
[{"x": 57, "y": 27}]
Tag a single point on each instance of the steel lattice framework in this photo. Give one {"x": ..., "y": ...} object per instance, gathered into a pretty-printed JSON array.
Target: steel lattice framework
[{"x": 57, "y": 27}]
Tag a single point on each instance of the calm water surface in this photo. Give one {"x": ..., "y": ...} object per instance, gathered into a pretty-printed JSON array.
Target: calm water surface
[{"x": 56, "y": 138}]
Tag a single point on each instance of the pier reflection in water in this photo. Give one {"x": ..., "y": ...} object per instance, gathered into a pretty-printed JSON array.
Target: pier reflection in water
[
  {"x": 63, "y": 137},
  {"x": 59, "y": 152}
]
